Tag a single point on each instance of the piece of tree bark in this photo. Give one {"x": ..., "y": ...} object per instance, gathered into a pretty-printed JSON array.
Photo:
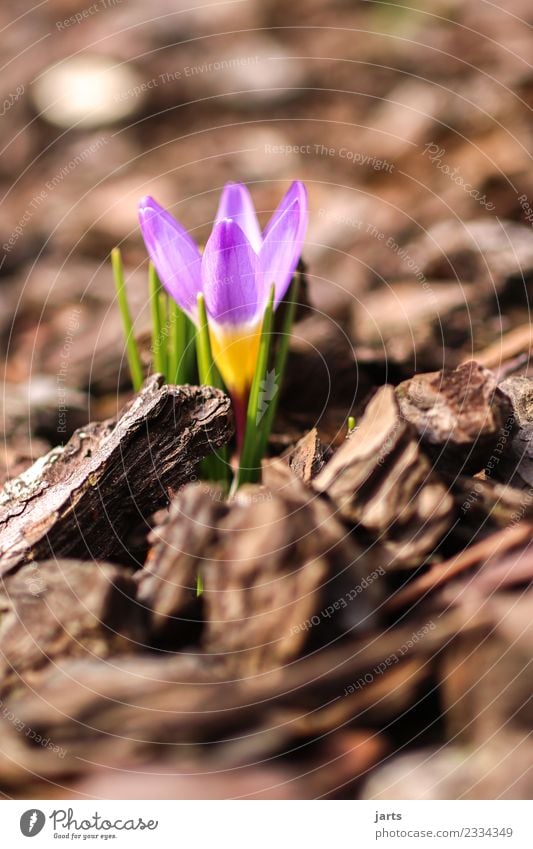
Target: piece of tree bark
[
  {"x": 485, "y": 506},
  {"x": 280, "y": 574},
  {"x": 122, "y": 711},
  {"x": 516, "y": 464},
  {"x": 502, "y": 572},
  {"x": 381, "y": 479},
  {"x": 83, "y": 499},
  {"x": 276, "y": 566},
  {"x": 65, "y": 608},
  {"x": 308, "y": 456},
  {"x": 477, "y": 554},
  {"x": 486, "y": 683},
  {"x": 507, "y": 347},
  {"x": 459, "y": 415},
  {"x": 179, "y": 544}
]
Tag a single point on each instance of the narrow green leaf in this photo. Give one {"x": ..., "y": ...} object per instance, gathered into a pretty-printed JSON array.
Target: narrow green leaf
[
  {"x": 132, "y": 351},
  {"x": 190, "y": 364},
  {"x": 250, "y": 459},
  {"x": 203, "y": 345},
  {"x": 199, "y": 585},
  {"x": 216, "y": 467},
  {"x": 176, "y": 366},
  {"x": 181, "y": 349},
  {"x": 280, "y": 361},
  {"x": 159, "y": 329},
  {"x": 207, "y": 371}
]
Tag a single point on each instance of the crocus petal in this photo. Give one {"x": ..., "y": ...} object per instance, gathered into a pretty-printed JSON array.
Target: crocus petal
[
  {"x": 296, "y": 191},
  {"x": 282, "y": 244},
  {"x": 175, "y": 255},
  {"x": 229, "y": 277},
  {"x": 235, "y": 354},
  {"x": 236, "y": 204}
]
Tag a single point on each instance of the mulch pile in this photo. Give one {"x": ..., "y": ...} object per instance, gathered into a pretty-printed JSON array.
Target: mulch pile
[{"x": 361, "y": 623}]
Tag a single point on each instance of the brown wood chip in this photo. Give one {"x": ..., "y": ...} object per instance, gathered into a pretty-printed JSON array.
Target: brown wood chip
[
  {"x": 82, "y": 500},
  {"x": 459, "y": 415},
  {"x": 381, "y": 479},
  {"x": 65, "y": 608}
]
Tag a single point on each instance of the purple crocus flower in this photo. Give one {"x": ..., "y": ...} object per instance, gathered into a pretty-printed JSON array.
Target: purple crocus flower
[{"x": 235, "y": 273}]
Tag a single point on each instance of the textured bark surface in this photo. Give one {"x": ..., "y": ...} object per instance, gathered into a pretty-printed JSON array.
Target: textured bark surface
[
  {"x": 114, "y": 712},
  {"x": 83, "y": 499},
  {"x": 179, "y": 545},
  {"x": 308, "y": 456},
  {"x": 282, "y": 572},
  {"x": 276, "y": 568},
  {"x": 516, "y": 466},
  {"x": 264, "y": 617},
  {"x": 237, "y": 664},
  {"x": 381, "y": 479},
  {"x": 65, "y": 608},
  {"x": 459, "y": 415}
]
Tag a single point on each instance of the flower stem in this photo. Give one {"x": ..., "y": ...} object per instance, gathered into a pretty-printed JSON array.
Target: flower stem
[
  {"x": 132, "y": 352},
  {"x": 240, "y": 405}
]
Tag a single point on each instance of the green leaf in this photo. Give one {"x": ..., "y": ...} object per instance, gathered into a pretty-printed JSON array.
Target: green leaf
[
  {"x": 190, "y": 364},
  {"x": 280, "y": 362},
  {"x": 207, "y": 371},
  {"x": 181, "y": 348},
  {"x": 176, "y": 366},
  {"x": 132, "y": 352},
  {"x": 250, "y": 459},
  {"x": 216, "y": 467},
  {"x": 159, "y": 322}
]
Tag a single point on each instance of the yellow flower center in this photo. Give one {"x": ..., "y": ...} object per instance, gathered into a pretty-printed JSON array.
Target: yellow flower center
[{"x": 235, "y": 355}]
